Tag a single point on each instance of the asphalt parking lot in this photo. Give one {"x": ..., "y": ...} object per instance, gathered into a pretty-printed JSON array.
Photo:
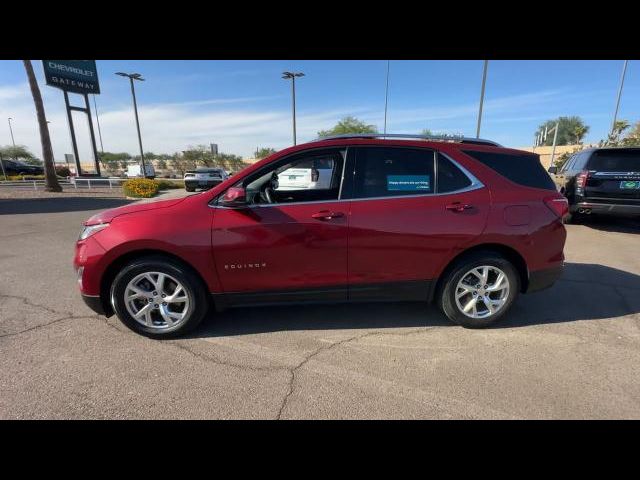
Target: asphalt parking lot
[{"x": 569, "y": 352}]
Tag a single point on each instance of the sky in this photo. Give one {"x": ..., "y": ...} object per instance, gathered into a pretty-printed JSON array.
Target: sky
[{"x": 243, "y": 105}]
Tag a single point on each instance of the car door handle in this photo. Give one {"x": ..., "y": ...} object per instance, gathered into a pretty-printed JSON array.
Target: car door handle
[
  {"x": 458, "y": 207},
  {"x": 327, "y": 215}
]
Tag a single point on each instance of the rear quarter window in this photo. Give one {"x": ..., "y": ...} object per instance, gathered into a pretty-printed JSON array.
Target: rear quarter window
[{"x": 523, "y": 169}]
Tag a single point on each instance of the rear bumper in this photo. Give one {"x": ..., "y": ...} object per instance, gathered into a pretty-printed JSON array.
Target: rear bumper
[
  {"x": 607, "y": 208},
  {"x": 542, "y": 279}
]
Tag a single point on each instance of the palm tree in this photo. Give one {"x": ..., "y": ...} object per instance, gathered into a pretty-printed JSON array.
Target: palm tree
[
  {"x": 579, "y": 131},
  {"x": 50, "y": 178},
  {"x": 619, "y": 127}
]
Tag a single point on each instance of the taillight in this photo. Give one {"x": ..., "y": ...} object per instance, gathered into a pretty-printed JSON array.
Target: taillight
[
  {"x": 558, "y": 205},
  {"x": 581, "y": 179}
]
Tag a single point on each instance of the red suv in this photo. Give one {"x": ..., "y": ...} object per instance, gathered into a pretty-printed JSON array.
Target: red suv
[{"x": 462, "y": 222}]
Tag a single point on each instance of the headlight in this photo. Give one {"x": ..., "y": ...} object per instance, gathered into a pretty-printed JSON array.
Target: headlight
[{"x": 89, "y": 230}]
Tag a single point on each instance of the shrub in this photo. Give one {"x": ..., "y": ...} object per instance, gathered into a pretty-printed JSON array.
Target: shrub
[
  {"x": 168, "y": 184},
  {"x": 14, "y": 178},
  {"x": 140, "y": 188}
]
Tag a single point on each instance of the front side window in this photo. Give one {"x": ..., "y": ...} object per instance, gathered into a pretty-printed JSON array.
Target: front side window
[
  {"x": 311, "y": 176},
  {"x": 391, "y": 172}
]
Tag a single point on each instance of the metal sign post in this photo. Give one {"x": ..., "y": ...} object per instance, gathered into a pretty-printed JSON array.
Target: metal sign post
[{"x": 76, "y": 76}]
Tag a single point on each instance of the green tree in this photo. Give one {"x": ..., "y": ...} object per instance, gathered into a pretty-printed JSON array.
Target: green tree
[
  {"x": 265, "y": 152},
  {"x": 571, "y": 130},
  {"x": 199, "y": 155},
  {"x": 19, "y": 152},
  {"x": 181, "y": 162},
  {"x": 349, "y": 125},
  {"x": 230, "y": 162},
  {"x": 50, "y": 177},
  {"x": 616, "y": 138},
  {"x": 632, "y": 139},
  {"x": 426, "y": 132},
  {"x": 110, "y": 160}
]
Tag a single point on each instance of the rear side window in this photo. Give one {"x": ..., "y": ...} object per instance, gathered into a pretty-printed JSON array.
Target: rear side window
[
  {"x": 612, "y": 161},
  {"x": 524, "y": 169},
  {"x": 391, "y": 172},
  {"x": 450, "y": 177}
]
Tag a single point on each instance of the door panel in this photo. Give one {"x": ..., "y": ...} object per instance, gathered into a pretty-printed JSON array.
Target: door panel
[
  {"x": 405, "y": 230},
  {"x": 400, "y": 239},
  {"x": 281, "y": 247}
]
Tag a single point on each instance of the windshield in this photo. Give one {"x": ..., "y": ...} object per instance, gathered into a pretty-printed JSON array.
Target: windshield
[{"x": 611, "y": 161}]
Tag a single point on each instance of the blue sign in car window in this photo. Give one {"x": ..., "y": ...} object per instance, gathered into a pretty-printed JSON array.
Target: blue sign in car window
[{"x": 409, "y": 183}]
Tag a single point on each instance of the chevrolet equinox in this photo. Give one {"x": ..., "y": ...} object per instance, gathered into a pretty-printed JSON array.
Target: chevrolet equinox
[{"x": 464, "y": 223}]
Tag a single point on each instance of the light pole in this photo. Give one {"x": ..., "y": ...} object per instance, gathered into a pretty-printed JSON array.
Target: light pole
[
  {"x": 386, "y": 98},
  {"x": 484, "y": 81},
  {"x": 615, "y": 114},
  {"x": 98, "y": 122},
  {"x": 132, "y": 77},
  {"x": 12, "y": 140},
  {"x": 292, "y": 76}
]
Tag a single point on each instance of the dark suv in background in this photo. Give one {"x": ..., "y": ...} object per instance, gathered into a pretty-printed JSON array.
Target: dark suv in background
[
  {"x": 600, "y": 181},
  {"x": 15, "y": 167}
]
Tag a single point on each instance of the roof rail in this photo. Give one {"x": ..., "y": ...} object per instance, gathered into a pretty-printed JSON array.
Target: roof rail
[{"x": 441, "y": 138}]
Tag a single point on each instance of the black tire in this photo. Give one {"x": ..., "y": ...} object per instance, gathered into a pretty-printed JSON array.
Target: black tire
[
  {"x": 574, "y": 218},
  {"x": 189, "y": 189},
  {"x": 446, "y": 294},
  {"x": 193, "y": 286}
]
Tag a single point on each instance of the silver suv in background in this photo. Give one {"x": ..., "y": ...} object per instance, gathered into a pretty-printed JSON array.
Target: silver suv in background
[{"x": 204, "y": 178}]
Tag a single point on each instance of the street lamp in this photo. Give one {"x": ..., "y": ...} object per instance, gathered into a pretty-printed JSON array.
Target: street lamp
[
  {"x": 132, "y": 77},
  {"x": 386, "y": 98},
  {"x": 615, "y": 114},
  {"x": 292, "y": 76},
  {"x": 484, "y": 81}
]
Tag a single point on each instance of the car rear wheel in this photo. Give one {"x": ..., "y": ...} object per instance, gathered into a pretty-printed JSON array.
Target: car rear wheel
[
  {"x": 479, "y": 290},
  {"x": 190, "y": 189},
  {"x": 158, "y": 297}
]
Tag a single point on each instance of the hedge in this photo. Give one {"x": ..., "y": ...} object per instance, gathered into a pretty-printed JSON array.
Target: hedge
[{"x": 168, "y": 184}]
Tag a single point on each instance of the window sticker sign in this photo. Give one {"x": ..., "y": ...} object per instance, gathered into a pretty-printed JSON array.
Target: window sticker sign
[{"x": 409, "y": 183}]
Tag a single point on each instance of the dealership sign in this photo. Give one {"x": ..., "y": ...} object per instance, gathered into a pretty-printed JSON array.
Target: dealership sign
[{"x": 78, "y": 76}]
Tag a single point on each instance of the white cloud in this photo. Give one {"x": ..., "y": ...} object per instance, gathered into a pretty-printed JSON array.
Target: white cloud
[{"x": 238, "y": 125}]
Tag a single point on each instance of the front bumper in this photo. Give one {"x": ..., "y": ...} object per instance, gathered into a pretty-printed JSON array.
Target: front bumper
[
  {"x": 542, "y": 279},
  {"x": 607, "y": 208},
  {"x": 94, "y": 302}
]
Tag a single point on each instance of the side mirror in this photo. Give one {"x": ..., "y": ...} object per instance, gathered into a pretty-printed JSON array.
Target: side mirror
[
  {"x": 234, "y": 197},
  {"x": 552, "y": 169}
]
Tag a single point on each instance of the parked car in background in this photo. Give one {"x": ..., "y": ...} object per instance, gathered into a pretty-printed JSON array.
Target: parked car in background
[
  {"x": 467, "y": 224},
  {"x": 315, "y": 173},
  {"x": 601, "y": 181},
  {"x": 16, "y": 167},
  {"x": 204, "y": 178},
  {"x": 135, "y": 171}
]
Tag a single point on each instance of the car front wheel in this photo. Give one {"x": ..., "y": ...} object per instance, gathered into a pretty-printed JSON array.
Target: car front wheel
[
  {"x": 479, "y": 290},
  {"x": 158, "y": 297}
]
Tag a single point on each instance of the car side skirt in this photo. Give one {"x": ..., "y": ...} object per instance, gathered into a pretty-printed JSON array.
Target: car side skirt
[{"x": 415, "y": 290}]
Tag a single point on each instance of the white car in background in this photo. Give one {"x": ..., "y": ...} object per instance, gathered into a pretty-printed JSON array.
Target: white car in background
[
  {"x": 314, "y": 175},
  {"x": 204, "y": 178}
]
